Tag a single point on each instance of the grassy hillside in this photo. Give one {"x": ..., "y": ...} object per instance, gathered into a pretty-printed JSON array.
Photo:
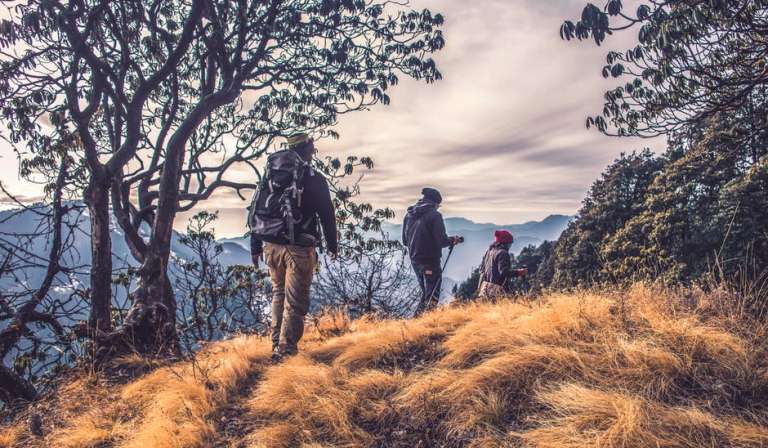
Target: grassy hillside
[{"x": 644, "y": 368}]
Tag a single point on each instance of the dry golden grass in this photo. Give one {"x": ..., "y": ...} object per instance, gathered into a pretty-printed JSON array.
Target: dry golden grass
[
  {"x": 642, "y": 368},
  {"x": 377, "y": 344},
  {"x": 637, "y": 369},
  {"x": 170, "y": 407},
  {"x": 10, "y": 437},
  {"x": 73, "y": 400}
]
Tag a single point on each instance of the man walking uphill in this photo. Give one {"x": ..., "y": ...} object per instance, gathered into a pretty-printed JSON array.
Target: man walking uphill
[
  {"x": 424, "y": 236},
  {"x": 284, "y": 229}
]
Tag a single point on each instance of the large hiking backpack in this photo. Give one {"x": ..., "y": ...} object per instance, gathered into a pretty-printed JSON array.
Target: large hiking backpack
[{"x": 274, "y": 210}]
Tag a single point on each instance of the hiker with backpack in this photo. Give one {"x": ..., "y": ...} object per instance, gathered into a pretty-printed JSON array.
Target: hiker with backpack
[
  {"x": 425, "y": 237},
  {"x": 292, "y": 197},
  {"x": 496, "y": 268}
]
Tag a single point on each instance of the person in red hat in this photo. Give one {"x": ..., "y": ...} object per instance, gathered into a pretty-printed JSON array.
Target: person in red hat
[{"x": 496, "y": 268}]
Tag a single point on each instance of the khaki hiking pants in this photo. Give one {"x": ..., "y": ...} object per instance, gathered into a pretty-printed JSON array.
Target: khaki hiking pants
[
  {"x": 291, "y": 269},
  {"x": 490, "y": 291}
]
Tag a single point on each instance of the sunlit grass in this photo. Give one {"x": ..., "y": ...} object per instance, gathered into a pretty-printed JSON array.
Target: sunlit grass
[{"x": 641, "y": 368}]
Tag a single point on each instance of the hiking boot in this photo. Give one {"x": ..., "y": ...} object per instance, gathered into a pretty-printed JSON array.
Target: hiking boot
[{"x": 279, "y": 354}]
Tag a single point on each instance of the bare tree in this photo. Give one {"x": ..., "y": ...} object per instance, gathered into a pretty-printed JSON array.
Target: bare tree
[
  {"x": 37, "y": 312},
  {"x": 378, "y": 282},
  {"x": 216, "y": 301}
]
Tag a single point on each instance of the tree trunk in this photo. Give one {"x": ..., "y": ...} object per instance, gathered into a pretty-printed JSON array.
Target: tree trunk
[
  {"x": 97, "y": 198},
  {"x": 151, "y": 321},
  {"x": 14, "y": 388},
  {"x": 150, "y": 326}
]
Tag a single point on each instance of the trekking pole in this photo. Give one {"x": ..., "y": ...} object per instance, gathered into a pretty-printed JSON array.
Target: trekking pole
[
  {"x": 434, "y": 288},
  {"x": 450, "y": 251}
]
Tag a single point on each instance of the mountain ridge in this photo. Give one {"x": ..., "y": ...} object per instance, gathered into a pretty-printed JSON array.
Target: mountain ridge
[
  {"x": 477, "y": 238},
  {"x": 237, "y": 250}
]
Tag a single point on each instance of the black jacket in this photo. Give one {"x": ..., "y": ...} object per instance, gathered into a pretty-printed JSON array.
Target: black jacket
[
  {"x": 424, "y": 233},
  {"x": 315, "y": 203},
  {"x": 497, "y": 265}
]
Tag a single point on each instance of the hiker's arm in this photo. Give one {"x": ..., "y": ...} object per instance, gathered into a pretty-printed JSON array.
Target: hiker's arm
[
  {"x": 327, "y": 217},
  {"x": 256, "y": 249},
  {"x": 438, "y": 230},
  {"x": 521, "y": 273},
  {"x": 504, "y": 265},
  {"x": 405, "y": 238}
]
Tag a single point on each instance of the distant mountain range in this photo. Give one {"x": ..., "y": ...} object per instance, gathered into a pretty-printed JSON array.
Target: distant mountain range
[
  {"x": 13, "y": 222},
  {"x": 477, "y": 238},
  {"x": 237, "y": 250}
]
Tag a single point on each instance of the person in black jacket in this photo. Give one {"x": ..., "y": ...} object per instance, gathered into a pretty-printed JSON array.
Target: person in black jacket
[
  {"x": 424, "y": 236},
  {"x": 496, "y": 268},
  {"x": 292, "y": 266}
]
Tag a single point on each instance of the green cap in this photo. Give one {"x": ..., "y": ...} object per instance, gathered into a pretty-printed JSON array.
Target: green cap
[{"x": 297, "y": 140}]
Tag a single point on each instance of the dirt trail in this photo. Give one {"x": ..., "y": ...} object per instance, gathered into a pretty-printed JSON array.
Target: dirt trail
[{"x": 232, "y": 423}]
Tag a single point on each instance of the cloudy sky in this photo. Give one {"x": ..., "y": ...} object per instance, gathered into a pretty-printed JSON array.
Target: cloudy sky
[{"x": 502, "y": 136}]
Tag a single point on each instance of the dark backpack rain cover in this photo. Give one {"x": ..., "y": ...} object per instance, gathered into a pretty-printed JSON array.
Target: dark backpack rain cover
[{"x": 274, "y": 210}]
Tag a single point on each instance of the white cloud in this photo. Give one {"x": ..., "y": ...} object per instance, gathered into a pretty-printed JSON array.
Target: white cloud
[{"x": 502, "y": 135}]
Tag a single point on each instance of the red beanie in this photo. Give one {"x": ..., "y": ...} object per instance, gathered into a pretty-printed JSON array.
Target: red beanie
[{"x": 503, "y": 237}]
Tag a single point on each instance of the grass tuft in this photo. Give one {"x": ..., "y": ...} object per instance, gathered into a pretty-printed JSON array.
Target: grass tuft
[{"x": 618, "y": 369}]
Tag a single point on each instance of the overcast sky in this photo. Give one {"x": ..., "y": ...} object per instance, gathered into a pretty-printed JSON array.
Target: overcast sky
[{"x": 502, "y": 136}]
